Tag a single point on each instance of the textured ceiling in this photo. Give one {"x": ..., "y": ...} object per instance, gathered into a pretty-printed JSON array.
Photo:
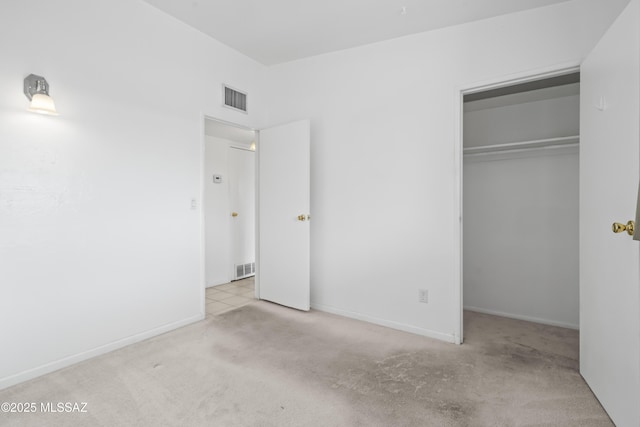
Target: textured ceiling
[{"x": 276, "y": 31}]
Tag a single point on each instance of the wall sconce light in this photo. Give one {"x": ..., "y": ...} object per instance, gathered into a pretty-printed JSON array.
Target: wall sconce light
[
  {"x": 36, "y": 89},
  {"x": 252, "y": 147}
]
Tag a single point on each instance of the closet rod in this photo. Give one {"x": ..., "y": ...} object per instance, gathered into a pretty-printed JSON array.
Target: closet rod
[{"x": 538, "y": 143}]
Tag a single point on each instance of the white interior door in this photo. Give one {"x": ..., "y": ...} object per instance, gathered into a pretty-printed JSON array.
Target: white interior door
[
  {"x": 283, "y": 212},
  {"x": 242, "y": 205},
  {"x": 609, "y": 263}
]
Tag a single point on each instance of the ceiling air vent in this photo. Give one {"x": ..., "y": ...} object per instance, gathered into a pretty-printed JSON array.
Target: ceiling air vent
[{"x": 235, "y": 99}]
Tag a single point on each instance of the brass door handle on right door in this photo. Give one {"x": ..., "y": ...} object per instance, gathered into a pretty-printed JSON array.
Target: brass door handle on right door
[{"x": 629, "y": 227}]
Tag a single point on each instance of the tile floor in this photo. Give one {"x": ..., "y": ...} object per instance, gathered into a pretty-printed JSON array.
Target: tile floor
[{"x": 232, "y": 295}]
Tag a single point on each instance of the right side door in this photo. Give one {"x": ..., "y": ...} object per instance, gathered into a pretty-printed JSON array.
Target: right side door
[{"x": 610, "y": 263}]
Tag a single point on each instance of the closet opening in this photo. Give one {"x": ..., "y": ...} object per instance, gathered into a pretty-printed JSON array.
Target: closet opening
[{"x": 520, "y": 203}]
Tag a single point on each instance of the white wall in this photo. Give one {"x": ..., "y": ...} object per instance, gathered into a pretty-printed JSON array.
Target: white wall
[
  {"x": 216, "y": 213},
  {"x": 99, "y": 246},
  {"x": 521, "y": 235},
  {"x": 383, "y": 156},
  {"x": 550, "y": 118},
  {"x": 219, "y": 248}
]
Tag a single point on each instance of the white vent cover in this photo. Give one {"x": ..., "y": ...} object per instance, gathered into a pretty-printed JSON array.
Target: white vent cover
[
  {"x": 245, "y": 270},
  {"x": 235, "y": 99}
]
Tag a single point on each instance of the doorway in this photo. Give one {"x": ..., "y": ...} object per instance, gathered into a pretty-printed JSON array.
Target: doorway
[
  {"x": 519, "y": 189},
  {"x": 229, "y": 216},
  {"x": 281, "y": 234}
]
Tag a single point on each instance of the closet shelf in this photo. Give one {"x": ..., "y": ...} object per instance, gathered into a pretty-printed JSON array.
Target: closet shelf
[{"x": 538, "y": 143}]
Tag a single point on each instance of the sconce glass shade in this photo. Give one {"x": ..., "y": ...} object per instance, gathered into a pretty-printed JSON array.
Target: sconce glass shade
[
  {"x": 252, "y": 147},
  {"x": 36, "y": 89},
  {"x": 43, "y": 104}
]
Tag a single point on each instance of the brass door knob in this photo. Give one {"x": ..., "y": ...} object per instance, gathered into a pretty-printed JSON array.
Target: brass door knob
[
  {"x": 302, "y": 217},
  {"x": 234, "y": 214},
  {"x": 629, "y": 227}
]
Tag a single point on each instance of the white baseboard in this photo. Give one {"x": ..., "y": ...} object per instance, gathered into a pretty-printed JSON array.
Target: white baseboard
[
  {"x": 70, "y": 360},
  {"x": 521, "y": 317},
  {"x": 383, "y": 322},
  {"x": 218, "y": 282}
]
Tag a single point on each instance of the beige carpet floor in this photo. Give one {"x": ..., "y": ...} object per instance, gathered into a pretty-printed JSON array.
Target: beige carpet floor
[{"x": 265, "y": 365}]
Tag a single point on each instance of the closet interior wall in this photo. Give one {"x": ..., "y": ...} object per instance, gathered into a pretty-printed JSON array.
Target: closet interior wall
[{"x": 521, "y": 206}]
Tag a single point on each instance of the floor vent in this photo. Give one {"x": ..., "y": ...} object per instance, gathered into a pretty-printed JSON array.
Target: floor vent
[
  {"x": 235, "y": 99},
  {"x": 245, "y": 270}
]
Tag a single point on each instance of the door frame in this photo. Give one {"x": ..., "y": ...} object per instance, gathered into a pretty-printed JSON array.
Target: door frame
[
  {"x": 203, "y": 180},
  {"x": 460, "y": 92}
]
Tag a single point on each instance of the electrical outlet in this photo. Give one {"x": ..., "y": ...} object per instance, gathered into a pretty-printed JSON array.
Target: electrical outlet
[{"x": 423, "y": 295}]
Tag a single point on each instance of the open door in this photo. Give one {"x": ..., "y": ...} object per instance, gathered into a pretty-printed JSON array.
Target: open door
[
  {"x": 242, "y": 206},
  {"x": 609, "y": 263},
  {"x": 284, "y": 214}
]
